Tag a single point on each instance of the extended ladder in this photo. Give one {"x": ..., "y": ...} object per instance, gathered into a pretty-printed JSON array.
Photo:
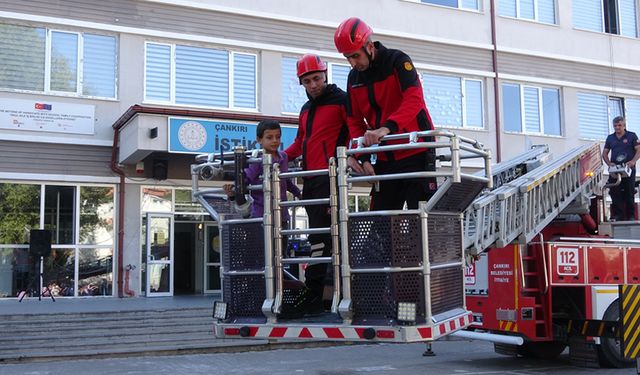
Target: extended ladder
[{"x": 520, "y": 209}]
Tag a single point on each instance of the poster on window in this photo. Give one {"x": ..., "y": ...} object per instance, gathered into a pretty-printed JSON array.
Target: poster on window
[
  {"x": 188, "y": 135},
  {"x": 46, "y": 116}
]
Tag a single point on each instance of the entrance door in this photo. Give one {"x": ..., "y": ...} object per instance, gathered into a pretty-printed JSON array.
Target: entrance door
[
  {"x": 159, "y": 255},
  {"x": 211, "y": 259}
]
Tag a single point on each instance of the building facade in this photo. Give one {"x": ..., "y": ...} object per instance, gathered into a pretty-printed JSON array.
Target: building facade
[{"x": 103, "y": 105}]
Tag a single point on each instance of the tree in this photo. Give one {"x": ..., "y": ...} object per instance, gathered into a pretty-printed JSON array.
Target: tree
[{"x": 19, "y": 212}]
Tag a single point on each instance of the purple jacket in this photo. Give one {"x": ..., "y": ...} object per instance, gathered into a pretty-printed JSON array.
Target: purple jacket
[{"x": 253, "y": 173}]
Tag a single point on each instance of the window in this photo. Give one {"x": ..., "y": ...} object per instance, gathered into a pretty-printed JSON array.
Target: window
[
  {"x": 593, "y": 116},
  {"x": 19, "y": 212},
  {"x": 198, "y": 76},
  {"x": 359, "y": 202},
  {"x": 609, "y": 16},
  {"x": 339, "y": 74},
  {"x": 453, "y": 101},
  {"x": 81, "y": 221},
  {"x": 293, "y": 94},
  {"x": 531, "y": 110},
  {"x": 615, "y": 107},
  {"x": 597, "y": 111},
  {"x": 462, "y": 4},
  {"x": 537, "y": 10},
  {"x": 61, "y": 62},
  {"x": 633, "y": 115}
]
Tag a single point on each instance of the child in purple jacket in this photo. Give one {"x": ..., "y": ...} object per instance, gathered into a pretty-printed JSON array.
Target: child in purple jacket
[{"x": 268, "y": 135}]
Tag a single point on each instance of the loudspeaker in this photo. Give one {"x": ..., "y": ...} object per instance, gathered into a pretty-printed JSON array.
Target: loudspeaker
[
  {"x": 160, "y": 168},
  {"x": 40, "y": 242}
]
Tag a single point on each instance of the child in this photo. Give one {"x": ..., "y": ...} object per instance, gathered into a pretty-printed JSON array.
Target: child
[{"x": 268, "y": 135}]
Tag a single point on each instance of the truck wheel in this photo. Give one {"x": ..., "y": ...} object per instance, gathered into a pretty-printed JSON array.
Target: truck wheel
[
  {"x": 542, "y": 350},
  {"x": 609, "y": 348}
]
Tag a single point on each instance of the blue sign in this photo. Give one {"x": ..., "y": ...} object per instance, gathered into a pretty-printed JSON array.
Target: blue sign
[{"x": 196, "y": 136}]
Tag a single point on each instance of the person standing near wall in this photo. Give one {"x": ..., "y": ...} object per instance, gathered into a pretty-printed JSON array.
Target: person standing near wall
[{"x": 625, "y": 149}]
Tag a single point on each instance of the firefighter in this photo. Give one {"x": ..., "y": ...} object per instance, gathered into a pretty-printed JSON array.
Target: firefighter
[
  {"x": 322, "y": 128},
  {"x": 385, "y": 97},
  {"x": 625, "y": 150}
]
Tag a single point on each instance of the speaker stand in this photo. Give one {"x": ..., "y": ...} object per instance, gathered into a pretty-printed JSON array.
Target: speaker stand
[{"x": 30, "y": 288}]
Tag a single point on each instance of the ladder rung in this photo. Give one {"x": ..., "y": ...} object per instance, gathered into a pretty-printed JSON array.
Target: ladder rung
[
  {"x": 528, "y": 257},
  {"x": 531, "y": 274},
  {"x": 311, "y": 260},
  {"x": 289, "y": 232},
  {"x": 304, "y": 202},
  {"x": 530, "y": 290}
]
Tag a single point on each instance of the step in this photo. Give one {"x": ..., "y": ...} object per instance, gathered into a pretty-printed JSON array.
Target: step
[
  {"x": 186, "y": 347},
  {"x": 101, "y": 332},
  {"x": 31, "y": 318},
  {"x": 107, "y": 341},
  {"x": 26, "y": 328}
]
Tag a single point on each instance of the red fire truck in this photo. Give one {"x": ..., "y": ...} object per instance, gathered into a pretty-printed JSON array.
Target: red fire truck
[
  {"x": 516, "y": 254},
  {"x": 564, "y": 276}
]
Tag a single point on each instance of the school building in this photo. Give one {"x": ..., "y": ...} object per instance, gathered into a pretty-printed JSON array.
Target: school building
[{"x": 104, "y": 104}]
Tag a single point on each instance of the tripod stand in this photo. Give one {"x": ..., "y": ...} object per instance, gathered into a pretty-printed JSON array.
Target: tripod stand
[{"x": 37, "y": 276}]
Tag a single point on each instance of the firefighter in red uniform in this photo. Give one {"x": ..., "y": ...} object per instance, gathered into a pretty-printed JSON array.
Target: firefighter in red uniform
[
  {"x": 322, "y": 128},
  {"x": 385, "y": 97}
]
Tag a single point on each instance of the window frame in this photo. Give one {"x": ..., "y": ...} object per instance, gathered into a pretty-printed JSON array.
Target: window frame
[
  {"x": 605, "y": 24},
  {"x": 78, "y": 93},
  {"x": 463, "y": 95},
  {"x": 458, "y": 7},
  {"x": 330, "y": 67},
  {"x": 76, "y": 245},
  {"x": 230, "y": 69},
  {"x": 536, "y": 13},
  {"x": 541, "y": 121}
]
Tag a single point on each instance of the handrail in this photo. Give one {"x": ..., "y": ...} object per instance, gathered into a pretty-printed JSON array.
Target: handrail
[
  {"x": 613, "y": 240},
  {"x": 544, "y": 264}
]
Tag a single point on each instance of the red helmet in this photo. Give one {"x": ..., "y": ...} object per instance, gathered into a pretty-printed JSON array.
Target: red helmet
[
  {"x": 310, "y": 63},
  {"x": 351, "y": 35}
]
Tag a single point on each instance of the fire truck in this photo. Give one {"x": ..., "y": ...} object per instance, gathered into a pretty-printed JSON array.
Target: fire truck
[{"x": 517, "y": 253}]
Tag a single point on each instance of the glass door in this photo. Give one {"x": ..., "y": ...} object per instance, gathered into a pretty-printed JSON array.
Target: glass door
[
  {"x": 212, "y": 259},
  {"x": 159, "y": 250}
]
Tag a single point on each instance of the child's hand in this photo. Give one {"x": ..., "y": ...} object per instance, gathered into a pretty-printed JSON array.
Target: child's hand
[{"x": 228, "y": 189}]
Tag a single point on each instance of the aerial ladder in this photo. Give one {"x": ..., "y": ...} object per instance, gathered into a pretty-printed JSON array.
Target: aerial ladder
[
  {"x": 398, "y": 275},
  {"x": 551, "y": 270}
]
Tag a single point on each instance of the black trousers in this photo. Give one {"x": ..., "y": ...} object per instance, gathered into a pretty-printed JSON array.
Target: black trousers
[
  {"x": 392, "y": 194},
  {"x": 622, "y": 198},
  {"x": 319, "y": 217}
]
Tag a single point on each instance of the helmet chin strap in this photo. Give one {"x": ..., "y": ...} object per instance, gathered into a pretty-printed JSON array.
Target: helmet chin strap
[{"x": 369, "y": 55}]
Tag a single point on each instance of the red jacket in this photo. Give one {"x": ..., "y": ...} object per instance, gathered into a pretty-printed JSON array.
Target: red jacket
[
  {"x": 322, "y": 128},
  {"x": 387, "y": 94}
]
